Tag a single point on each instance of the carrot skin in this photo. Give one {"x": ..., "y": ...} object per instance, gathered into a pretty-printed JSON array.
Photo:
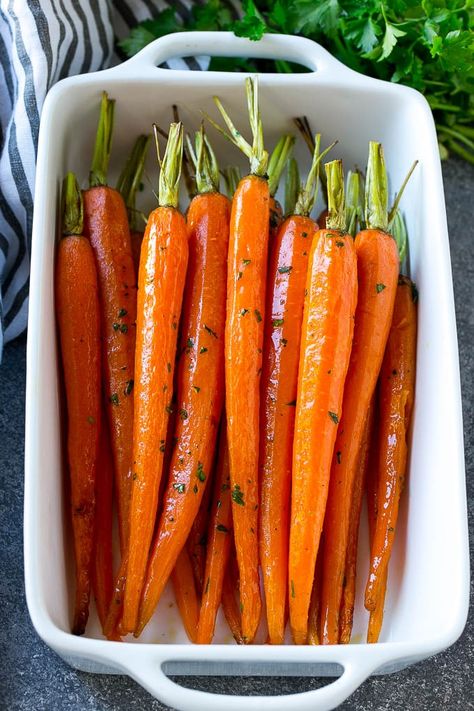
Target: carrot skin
[
  {"x": 377, "y": 265},
  {"x": 200, "y": 389},
  {"x": 288, "y": 265},
  {"x": 78, "y": 314},
  {"x": 184, "y": 588},
  {"x": 161, "y": 280},
  {"x": 219, "y": 537},
  {"x": 247, "y": 267},
  {"x": 276, "y": 218},
  {"x": 397, "y": 385},
  {"x": 197, "y": 539},
  {"x": 349, "y": 586},
  {"x": 106, "y": 225},
  {"x": 328, "y": 324},
  {"x": 102, "y": 580}
]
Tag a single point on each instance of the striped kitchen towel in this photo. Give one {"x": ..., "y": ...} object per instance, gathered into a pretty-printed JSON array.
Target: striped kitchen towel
[{"x": 42, "y": 41}]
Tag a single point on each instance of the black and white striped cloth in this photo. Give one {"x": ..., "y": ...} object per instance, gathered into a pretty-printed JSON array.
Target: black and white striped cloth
[{"x": 42, "y": 41}]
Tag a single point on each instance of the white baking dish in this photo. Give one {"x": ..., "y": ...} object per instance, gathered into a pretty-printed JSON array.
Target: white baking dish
[{"x": 427, "y": 603}]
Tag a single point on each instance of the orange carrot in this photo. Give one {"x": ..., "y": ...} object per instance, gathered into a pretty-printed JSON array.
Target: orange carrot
[
  {"x": 102, "y": 580},
  {"x": 288, "y": 266},
  {"x": 230, "y": 591},
  {"x": 163, "y": 264},
  {"x": 349, "y": 584},
  {"x": 219, "y": 537},
  {"x": 200, "y": 381},
  {"x": 247, "y": 268},
  {"x": 397, "y": 385},
  {"x": 78, "y": 314},
  {"x": 185, "y": 593},
  {"x": 106, "y": 225},
  {"x": 328, "y": 322},
  {"x": 377, "y": 266}
]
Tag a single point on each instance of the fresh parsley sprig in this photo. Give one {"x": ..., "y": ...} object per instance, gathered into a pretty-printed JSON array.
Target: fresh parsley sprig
[{"x": 427, "y": 44}]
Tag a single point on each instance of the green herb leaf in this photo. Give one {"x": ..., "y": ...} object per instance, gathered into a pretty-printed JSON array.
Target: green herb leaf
[
  {"x": 379, "y": 288},
  {"x": 180, "y": 488},
  {"x": 200, "y": 472},
  {"x": 221, "y": 527},
  {"x": 237, "y": 495},
  {"x": 334, "y": 417}
]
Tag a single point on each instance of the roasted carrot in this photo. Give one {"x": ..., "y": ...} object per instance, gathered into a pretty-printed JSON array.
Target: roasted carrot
[
  {"x": 397, "y": 384},
  {"x": 163, "y": 263},
  {"x": 247, "y": 270},
  {"x": 288, "y": 266},
  {"x": 377, "y": 266},
  {"x": 219, "y": 535},
  {"x": 106, "y": 225},
  {"x": 349, "y": 583},
  {"x": 103, "y": 577},
  {"x": 185, "y": 593},
  {"x": 200, "y": 381},
  {"x": 328, "y": 322},
  {"x": 230, "y": 594},
  {"x": 128, "y": 185},
  {"x": 78, "y": 314}
]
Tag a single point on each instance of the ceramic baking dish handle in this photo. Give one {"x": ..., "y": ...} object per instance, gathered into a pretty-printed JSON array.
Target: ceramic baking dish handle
[
  {"x": 148, "y": 672},
  {"x": 226, "y": 44}
]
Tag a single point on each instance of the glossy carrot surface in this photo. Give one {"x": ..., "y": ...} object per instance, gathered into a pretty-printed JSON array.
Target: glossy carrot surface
[
  {"x": 78, "y": 316},
  {"x": 185, "y": 593},
  {"x": 397, "y": 385},
  {"x": 200, "y": 384},
  {"x": 287, "y": 279}
]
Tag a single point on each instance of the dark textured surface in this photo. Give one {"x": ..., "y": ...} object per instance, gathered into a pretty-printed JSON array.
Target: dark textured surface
[{"x": 33, "y": 677}]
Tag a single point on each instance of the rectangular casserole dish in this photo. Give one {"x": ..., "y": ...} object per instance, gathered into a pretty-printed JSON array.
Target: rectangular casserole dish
[{"x": 427, "y": 603}]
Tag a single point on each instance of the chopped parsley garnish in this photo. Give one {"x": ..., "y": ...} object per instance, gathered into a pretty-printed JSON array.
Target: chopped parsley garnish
[
  {"x": 258, "y": 315},
  {"x": 278, "y": 322},
  {"x": 285, "y": 270},
  {"x": 200, "y": 472},
  {"x": 237, "y": 496},
  {"x": 379, "y": 288},
  {"x": 221, "y": 527},
  {"x": 180, "y": 488},
  {"x": 334, "y": 417},
  {"x": 210, "y": 331}
]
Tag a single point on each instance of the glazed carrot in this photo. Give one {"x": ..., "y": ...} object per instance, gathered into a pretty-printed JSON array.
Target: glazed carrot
[
  {"x": 78, "y": 314},
  {"x": 276, "y": 164},
  {"x": 219, "y": 536},
  {"x": 328, "y": 322},
  {"x": 200, "y": 380},
  {"x": 313, "y": 617},
  {"x": 247, "y": 269},
  {"x": 230, "y": 591},
  {"x": 377, "y": 266},
  {"x": 163, "y": 264},
  {"x": 102, "y": 580},
  {"x": 346, "y": 614},
  {"x": 288, "y": 266},
  {"x": 397, "y": 385},
  {"x": 128, "y": 185},
  {"x": 185, "y": 593},
  {"x": 106, "y": 225}
]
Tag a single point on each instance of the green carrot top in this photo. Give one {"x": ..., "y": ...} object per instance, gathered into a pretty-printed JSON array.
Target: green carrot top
[
  {"x": 309, "y": 191},
  {"x": 103, "y": 142},
  {"x": 376, "y": 191},
  {"x": 72, "y": 206},
  {"x": 278, "y": 160},
  {"x": 255, "y": 152},
  {"x": 205, "y": 163},
  {"x": 336, "y": 219},
  {"x": 170, "y": 166},
  {"x": 130, "y": 178}
]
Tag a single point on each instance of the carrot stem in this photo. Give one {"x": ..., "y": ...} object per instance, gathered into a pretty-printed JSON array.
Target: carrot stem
[
  {"x": 292, "y": 186},
  {"x": 354, "y": 201},
  {"x": 103, "y": 142},
  {"x": 170, "y": 173},
  {"x": 376, "y": 191},
  {"x": 278, "y": 160},
  {"x": 205, "y": 164},
  {"x": 395, "y": 205},
  {"x": 130, "y": 178},
  {"x": 232, "y": 178},
  {"x": 73, "y": 207},
  {"x": 309, "y": 191},
  {"x": 336, "y": 219}
]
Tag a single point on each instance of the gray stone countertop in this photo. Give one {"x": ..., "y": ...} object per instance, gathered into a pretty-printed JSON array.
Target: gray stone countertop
[{"x": 33, "y": 677}]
